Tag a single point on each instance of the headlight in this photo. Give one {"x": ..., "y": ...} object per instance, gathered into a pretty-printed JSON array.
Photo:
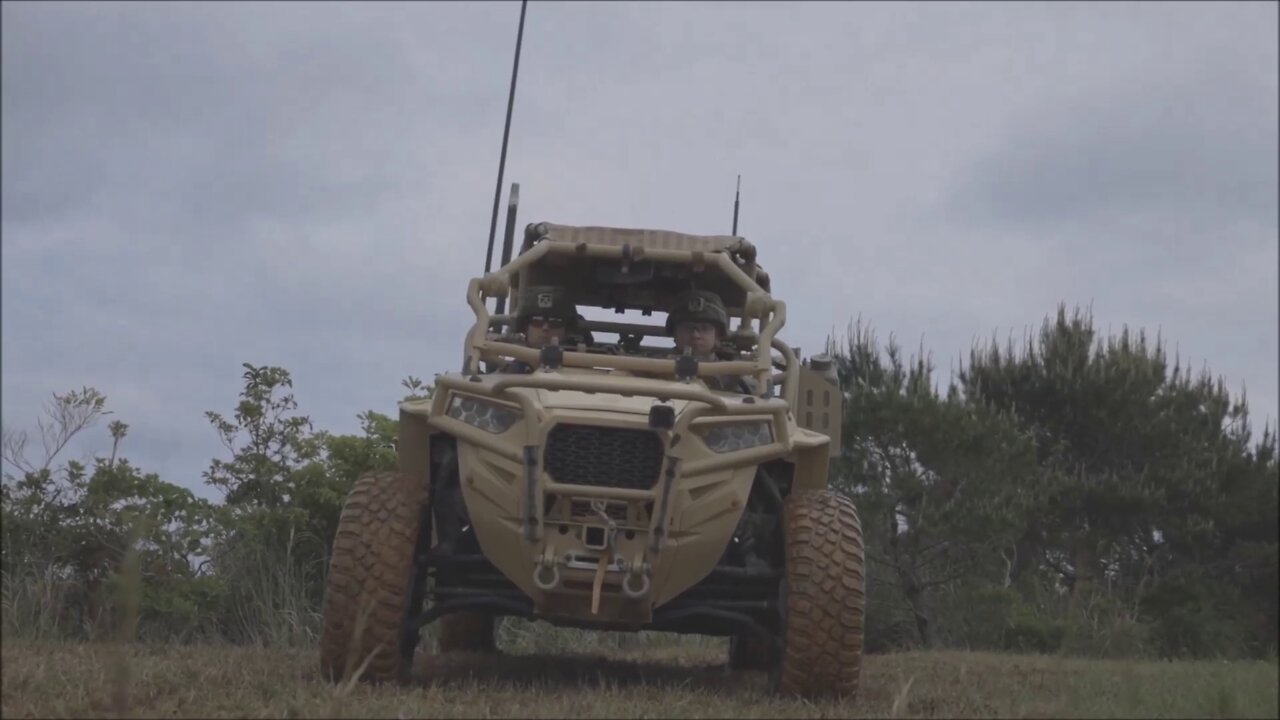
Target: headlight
[
  {"x": 485, "y": 415},
  {"x": 727, "y": 437}
]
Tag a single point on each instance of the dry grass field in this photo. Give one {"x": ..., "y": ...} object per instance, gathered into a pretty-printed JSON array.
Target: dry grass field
[{"x": 675, "y": 680}]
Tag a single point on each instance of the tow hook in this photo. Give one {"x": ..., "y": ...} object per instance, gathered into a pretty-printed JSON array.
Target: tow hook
[
  {"x": 637, "y": 569},
  {"x": 632, "y": 591},
  {"x": 546, "y": 572}
]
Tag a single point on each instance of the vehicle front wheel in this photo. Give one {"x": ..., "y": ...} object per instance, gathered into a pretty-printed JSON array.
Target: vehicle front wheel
[
  {"x": 822, "y": 597},
  {"x": 371, "y": 581}
]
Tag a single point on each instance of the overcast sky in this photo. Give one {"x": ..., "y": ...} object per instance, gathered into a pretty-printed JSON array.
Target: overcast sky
[{"x": 187, "y": 187}]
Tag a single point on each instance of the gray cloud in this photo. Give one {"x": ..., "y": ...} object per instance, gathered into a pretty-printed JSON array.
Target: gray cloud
[
  {"x": 1152, "y": 195},
  {"x": 190, "y": 186},
  {"x": 1189, "y": 147}
]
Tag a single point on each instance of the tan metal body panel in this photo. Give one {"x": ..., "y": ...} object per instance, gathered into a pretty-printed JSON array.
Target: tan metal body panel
[
  {"x": 413, "y": 445},
  {"x": 820, "y": 406},
  {"x": 812, "y": 460},
  {"x": 704, "y": 499}
]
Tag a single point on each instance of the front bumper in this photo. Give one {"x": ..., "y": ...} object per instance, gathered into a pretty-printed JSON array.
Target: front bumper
[{"x": 597, "y": 553}]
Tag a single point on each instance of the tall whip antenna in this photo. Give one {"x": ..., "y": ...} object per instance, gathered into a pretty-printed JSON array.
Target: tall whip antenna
[
  {"x": 506, "y": 132},
  {"x": 736, "y": 194}
]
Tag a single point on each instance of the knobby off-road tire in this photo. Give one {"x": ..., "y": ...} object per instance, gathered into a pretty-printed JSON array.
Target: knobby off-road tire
[
  {"x": 370, "y": 580},
  {"x": 822, "y": 597},
  {"x": 466, "y": 631}
]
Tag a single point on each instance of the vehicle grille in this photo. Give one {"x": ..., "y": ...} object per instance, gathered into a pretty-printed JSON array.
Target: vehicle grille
[{"x": 604, "y": 456}]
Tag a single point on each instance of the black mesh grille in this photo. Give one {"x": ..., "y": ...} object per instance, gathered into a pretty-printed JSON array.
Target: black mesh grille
[{"x": 604, "y": 456}]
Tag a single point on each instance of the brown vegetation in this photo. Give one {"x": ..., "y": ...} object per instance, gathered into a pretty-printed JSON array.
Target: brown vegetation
[{"x": 659, "y": 678}]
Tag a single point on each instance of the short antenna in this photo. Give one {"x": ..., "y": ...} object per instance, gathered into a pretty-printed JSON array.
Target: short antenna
[
  {"x": 506, "y": 132},
  {"x": 736, "y": 194}
]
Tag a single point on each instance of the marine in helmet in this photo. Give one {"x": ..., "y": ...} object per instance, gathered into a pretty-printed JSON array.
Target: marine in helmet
[
  {"x": 699, "y": 323},
  {"x": 544, "y": 313}
]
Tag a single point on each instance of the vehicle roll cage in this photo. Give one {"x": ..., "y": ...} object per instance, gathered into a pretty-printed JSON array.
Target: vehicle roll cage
[{"x": 759, "y": 305}]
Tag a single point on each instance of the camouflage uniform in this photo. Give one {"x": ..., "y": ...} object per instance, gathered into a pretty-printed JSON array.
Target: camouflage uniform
[{"x": 706, "y": 306}]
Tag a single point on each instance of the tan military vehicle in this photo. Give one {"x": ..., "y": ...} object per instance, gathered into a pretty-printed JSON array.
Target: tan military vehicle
[{"x": 609, "y": 487}]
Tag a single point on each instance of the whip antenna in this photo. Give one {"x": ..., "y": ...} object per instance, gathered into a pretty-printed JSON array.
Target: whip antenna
[
  {"x": 736, "y": 193},
  {"x": 506, "y": 132}
]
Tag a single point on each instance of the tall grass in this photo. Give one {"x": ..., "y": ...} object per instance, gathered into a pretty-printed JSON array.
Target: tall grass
[
  {"x": 262, "y": 595},
  {"x": 276, "y": 596},
  {"x": 40, "y": 604}
]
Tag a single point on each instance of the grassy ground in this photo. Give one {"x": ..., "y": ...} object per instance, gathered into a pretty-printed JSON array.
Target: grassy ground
[{"x": 83, "y": 680}]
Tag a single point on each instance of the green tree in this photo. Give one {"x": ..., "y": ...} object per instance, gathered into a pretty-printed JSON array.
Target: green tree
[
  {"x": 267, "y": 443},
  {"x": 1138, "y": 463},
  {"x": 285, "y": 485},
  {"x": 935, "y": 479},
  {"x": 67, "y": 529}
]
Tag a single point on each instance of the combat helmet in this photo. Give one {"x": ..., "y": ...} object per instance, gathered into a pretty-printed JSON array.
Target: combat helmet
[
  {"x": 548, "y": 301},
  {"x": 698, "y": 306}
]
